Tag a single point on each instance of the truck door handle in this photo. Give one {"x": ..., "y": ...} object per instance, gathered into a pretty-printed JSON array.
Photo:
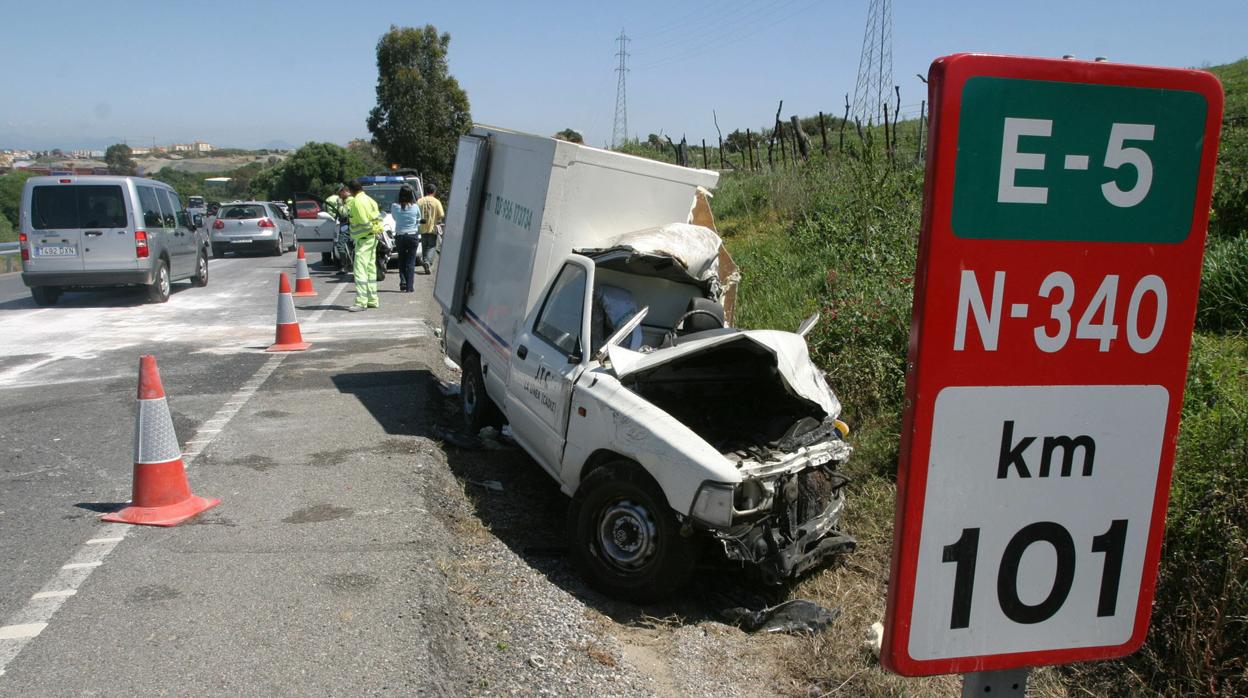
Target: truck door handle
[
  {"x": 522, "y": 351},
  {"x": 93, "y": 233}
]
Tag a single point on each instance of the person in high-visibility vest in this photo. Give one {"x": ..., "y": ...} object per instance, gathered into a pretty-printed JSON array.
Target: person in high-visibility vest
[
  {"x": 336, "y": 206},
  {"x": 365, "y": 220}
]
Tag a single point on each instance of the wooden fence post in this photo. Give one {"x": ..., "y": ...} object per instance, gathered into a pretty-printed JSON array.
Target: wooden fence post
[
  {"x": 704, "y": 164},
  {"x": 749, "y": 148},
  {"x": 823, "y": 133},
  {"x": 918, "y": 151},
  {"x": 844, "y": 121}
]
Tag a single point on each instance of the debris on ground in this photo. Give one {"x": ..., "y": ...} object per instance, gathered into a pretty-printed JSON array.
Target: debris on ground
[
  {"x": 795, "y": 617},
  {"x": 448, "y": 389},
  {"x": 875, "y": 638},
  {"x": 456, "y": 438},
  {"x": 487, "y": 484}
]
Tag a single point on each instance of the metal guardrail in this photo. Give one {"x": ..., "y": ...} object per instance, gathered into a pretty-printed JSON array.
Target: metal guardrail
[
  {"x": 9, "y": 261},
  {"x": 9, "y": 248}
]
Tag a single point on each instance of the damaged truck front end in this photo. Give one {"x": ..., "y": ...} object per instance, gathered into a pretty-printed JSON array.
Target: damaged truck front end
[
  {"x": 759, "y": 402},
  {"x": 739, "y": 430}
]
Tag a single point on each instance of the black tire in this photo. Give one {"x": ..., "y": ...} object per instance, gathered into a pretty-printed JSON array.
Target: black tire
[
  {"x": 158, "y": 290},
  {"x": 294, "y": 244},
  {"x": 625, "y": 538},
  {"x": 327, "y": 258},
  {"x": 200, "y": 278},
  {"x": 381, "y": 268},
  {"x": 277, "y": 247},
  {"x": 45, "y": 295},
  {"x": 476, "y": 405},
  {"x": 217, "y": 252}
]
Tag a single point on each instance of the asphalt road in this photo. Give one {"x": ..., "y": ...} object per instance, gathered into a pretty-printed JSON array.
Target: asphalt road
[{"x": 318, "y": 573}]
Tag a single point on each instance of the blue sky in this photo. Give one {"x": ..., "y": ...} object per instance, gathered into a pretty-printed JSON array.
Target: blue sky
[{"x": 251, "y": 74}]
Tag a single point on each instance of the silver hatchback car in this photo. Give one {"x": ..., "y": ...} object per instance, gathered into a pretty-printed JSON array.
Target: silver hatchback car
[
  {"x": 256, "y": 226},
  {"x": 85, "y": 231}
]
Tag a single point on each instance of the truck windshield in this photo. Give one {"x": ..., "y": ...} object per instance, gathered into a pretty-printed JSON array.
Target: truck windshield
[
  {"x": 383, "y": 197},
  {"x": 61, "y": 207}
]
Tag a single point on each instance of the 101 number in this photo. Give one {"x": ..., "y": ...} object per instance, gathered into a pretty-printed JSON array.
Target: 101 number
[{"x": 965, "y": 551}]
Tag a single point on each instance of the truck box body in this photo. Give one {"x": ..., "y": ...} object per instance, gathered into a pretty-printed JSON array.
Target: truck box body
[{"x": 521, "y": 202}]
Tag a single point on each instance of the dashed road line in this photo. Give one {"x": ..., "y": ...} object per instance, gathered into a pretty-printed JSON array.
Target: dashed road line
[{"x": 26, "y": 624}]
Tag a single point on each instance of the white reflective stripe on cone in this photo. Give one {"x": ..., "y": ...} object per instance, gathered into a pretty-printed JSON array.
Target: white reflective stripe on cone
[
  {"x": 285, "y": 309},
  {"x": 155, "y": 441}
]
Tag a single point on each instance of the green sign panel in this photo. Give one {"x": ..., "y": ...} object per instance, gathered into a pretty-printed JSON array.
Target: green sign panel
[{"x": 1042, "y": 160}]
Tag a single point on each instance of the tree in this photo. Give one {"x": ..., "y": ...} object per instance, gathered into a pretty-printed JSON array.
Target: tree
[
  {"x": 571, "y": 135},
  {"x": 11, "y": 194},
  {"x": 421, "y": 110},
  {"x": 368, "y": 154},
  {"x": 316, "y": 168},
  {"x": 120, "y": 160}
]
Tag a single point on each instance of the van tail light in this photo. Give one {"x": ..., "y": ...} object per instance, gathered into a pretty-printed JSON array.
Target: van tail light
[
  {"x": 140, "y": 244},
  {"x": 24, "y": 243},
  {"x": 266, "y": 223},
  {"x": 218, "y": 224}
]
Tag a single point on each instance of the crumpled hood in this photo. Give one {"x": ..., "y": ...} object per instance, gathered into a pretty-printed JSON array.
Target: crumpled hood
[{"x": 801, "y": 376}]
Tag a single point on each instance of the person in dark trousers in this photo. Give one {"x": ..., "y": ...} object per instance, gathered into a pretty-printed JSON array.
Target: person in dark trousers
[
  {"x": 406, "y": 222},
  {"x": 431, "y": 213}
]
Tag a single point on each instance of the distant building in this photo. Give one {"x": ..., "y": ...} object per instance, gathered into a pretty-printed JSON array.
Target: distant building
[
  {"x": 182, "y": 147},
  {"x": 202, "y": 147},
  {"x": 140, "y": 151}
]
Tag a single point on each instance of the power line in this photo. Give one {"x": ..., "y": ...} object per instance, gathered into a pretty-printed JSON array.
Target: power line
[
  {"x": 619, "y": 133},
  {"x": 727, "y": 39}
]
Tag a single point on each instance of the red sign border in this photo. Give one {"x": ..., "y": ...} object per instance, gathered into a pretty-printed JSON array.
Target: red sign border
[{"x": 947, "y": 76}]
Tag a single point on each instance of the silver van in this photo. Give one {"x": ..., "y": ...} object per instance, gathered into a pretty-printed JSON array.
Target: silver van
[{"x": 84, "y": 231}]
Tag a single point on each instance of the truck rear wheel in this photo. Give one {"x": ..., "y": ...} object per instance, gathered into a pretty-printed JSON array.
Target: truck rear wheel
[
  {"x": 625, "y": 539},
  {"x": 45, "y": 295},
  {"x": 478, "y": 408}
]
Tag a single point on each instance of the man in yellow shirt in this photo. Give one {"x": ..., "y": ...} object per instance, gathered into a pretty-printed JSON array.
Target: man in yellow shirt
[
  {"x": 431, "y": 214},
  {"x": 365, "y": 222}
]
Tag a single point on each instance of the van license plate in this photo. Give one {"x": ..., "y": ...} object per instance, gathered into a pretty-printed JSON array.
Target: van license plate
[
  {"x": 57, "y": 251},
  {"x": 244, "y": 241}
]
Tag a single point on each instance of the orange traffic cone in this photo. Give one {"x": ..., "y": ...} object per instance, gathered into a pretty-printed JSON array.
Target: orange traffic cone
[
  {"x": 161, "y": 495},
  {"x": 288, "y": 336},
  {"x": 303, "y": 280}
]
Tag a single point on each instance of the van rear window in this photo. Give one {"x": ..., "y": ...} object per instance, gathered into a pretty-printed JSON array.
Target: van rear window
[
  {"x": 69, "y": 206},
  {"x": 242, "y": 212}
]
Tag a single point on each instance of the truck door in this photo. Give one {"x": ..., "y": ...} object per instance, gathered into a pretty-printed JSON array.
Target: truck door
[{"x": 549, "y": 355}]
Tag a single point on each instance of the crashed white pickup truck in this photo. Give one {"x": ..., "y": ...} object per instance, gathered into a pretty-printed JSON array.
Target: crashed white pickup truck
[{"x": 600, "y": 329}]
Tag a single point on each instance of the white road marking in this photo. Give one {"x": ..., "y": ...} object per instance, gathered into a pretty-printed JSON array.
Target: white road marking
[
  {"x": 28, "y": 622},
  {"x": 54, "y": 594},
  {"x": 24, "y": 631}
]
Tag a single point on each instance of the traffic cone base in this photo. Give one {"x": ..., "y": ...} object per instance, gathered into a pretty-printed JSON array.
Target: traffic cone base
[
  {"x": 303, "y": 280},
  {"x": 161, "y": 495},
  {"x": 288, "y": 337},
  {"x": 169, "y": 515}
]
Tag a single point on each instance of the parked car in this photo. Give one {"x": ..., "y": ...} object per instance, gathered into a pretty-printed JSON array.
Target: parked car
[
  {"x": 90, "y": 231},
  {"x": 306, "y": 208},
  {"x": 251, "y": 226},
  {"x": 195, "y": 206},
  {"x": 588, "y": 300}
]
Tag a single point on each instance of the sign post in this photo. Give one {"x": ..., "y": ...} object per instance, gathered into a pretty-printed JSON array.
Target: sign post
[{"x": 1059, "y": 263}]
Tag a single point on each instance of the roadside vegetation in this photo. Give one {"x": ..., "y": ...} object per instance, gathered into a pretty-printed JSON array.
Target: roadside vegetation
[{"x": 837, "y": 235}]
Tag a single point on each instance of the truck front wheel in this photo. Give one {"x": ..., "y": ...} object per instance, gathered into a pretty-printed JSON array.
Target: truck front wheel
[
  {"x": 478, "y": 408},
  {"x": 625, "y": 538}
]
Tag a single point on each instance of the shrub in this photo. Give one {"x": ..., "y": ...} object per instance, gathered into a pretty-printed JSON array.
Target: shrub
[{"x": 1223, "y": 303}]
